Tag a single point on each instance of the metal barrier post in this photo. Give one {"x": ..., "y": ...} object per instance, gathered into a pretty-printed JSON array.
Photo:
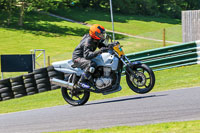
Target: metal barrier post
[
  {"x": 2, "y": 75},
  {"x": 33, "y": 52},
  {"x": 1, "y": 72},
  {"x": 164, "y": 43}
]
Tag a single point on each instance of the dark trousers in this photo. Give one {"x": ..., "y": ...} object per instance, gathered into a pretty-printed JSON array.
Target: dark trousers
[{"x": 82, "y": 63}]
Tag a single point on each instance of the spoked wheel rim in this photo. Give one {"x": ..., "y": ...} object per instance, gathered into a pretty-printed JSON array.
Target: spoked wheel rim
[
  {"x": 75, "y": 97},
  {"x": 145, "y": 81}
]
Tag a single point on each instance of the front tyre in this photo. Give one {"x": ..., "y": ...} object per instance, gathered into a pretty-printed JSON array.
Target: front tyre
[
  {"x": 75, "y": 97},
  {"x": 145, "y": 81}
]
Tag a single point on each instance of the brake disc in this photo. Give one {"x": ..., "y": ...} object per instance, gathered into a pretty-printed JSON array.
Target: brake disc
[{"x": 141, "y": 81}]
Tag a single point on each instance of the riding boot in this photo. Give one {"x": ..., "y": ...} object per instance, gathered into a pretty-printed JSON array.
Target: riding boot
[{"x": 83, "y": 80}]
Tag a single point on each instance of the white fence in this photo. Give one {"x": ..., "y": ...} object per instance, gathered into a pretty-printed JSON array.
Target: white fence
[{"x": 191, "y": 25}]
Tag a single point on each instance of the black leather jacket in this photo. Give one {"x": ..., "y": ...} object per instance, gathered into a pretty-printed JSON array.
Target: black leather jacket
[{"x": 86, "y": 48}]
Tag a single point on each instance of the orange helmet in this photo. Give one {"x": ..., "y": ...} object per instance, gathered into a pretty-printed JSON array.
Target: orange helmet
[{"x": 97, "y": 32}]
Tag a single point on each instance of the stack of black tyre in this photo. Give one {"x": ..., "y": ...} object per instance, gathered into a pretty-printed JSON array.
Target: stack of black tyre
[
  {"x": 42, "y": 79},
  {"x": 18, "y": 86},
  {"x": 30, "y": 84},
  {"x": 5, "y": 90},
  {"x": 52, "y": 73}
]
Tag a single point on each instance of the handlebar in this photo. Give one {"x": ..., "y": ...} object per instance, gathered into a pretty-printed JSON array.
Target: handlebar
[{"x": 111, "y": 45}]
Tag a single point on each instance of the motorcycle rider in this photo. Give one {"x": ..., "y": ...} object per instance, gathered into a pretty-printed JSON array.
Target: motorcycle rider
[{"x": 85, "y": 51}]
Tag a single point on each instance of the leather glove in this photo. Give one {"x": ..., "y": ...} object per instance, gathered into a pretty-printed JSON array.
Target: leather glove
[
  {"x": 97, "y": 52},
  {"x": 104, "y": 49}
]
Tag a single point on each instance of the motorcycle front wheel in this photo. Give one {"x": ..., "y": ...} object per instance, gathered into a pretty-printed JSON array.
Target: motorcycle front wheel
[
  {"x": 75, "y": 97},
  {"x": 145, "y": 81}
]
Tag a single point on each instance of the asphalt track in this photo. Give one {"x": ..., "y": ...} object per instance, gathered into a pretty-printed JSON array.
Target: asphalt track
[{"x": 167, "y": 106}]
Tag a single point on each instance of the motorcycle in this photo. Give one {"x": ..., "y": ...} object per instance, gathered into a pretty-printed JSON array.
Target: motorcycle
[{"x": 106, "y": 77}]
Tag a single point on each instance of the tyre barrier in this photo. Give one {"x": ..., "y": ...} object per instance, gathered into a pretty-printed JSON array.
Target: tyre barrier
[
  {"x": 42, "y": 79},
  {"x": 32, "y": 83},
  {"x": 52, "y": 73},
  {"x": 6, "y": 92},
  {"x": 18, "y": 86}
]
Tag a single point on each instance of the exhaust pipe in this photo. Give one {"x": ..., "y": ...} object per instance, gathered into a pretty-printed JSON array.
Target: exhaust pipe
[{"x": 62, "y": 83}]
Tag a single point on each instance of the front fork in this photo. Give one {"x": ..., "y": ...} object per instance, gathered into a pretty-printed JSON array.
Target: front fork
[{"x": 128, "y": 66}]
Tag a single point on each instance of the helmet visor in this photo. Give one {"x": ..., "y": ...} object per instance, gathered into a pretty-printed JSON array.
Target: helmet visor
[{"x": 102, "y": 35}]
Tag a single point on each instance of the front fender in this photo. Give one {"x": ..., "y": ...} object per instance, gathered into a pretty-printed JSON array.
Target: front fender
[
  {"x": 131, "y": 67},
  {"x": 135, "y": 63}
]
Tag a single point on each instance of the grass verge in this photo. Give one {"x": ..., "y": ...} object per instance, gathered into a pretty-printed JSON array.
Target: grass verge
[
  {"x": 136, "y": 25},
  {"x": 172, "y": 127},
  {"x": 59, "y": 38},
  {"x": 170, "y": 79}
]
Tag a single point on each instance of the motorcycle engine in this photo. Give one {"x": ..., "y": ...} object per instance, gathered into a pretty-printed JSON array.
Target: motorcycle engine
[{"x": 105, "y": 80}]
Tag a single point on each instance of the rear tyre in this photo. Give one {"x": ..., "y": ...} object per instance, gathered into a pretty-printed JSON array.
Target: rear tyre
[
  {"x": 75, "y": 97},
  {"x": 146, "y": 80}
]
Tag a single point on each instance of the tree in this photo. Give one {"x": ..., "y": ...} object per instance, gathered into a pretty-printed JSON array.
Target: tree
[
  {"x": 29, "y": 5},
  {"x": 84, "y": 3},
  {"x": 144, "y": 7},
  {"x": 8, "y": 6},
  {"x": 192, "y": 4},
  {"x": 24, "y": 6}
]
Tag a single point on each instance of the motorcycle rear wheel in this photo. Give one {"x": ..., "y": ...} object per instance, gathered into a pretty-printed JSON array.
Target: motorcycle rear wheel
[
  {"x": 146, "y": 82},
  {"x": 75, "y": 97}
]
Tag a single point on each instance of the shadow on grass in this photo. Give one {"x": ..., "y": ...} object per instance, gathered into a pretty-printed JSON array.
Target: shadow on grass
[
  {"x": 32, "y": 24},
  {"x": 125, "y": 99},
  {"x": 80, "y": 15},
  {"x": 39, "y": 24}
]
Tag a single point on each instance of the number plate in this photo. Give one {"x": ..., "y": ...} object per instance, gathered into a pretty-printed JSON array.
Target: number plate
[{"x": 119, "y": 50}]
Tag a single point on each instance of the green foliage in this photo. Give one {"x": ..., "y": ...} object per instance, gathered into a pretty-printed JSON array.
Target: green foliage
[
  {"x": 143, "y": 7},
  {"x": 170, "y": 8},
  {"x": 23, "y": 6},
  {"x": 30, "y": 4},
  {"x": 40, "y": 4},
  {"x": 67, "y": 3},
  {"x": 59, "y": 38},
  {"x": 8, "y": 7}
]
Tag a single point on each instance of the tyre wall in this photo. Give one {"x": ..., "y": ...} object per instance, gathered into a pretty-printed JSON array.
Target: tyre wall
[
  {"x": 6, "y": 92},
  {"x": 29, "y": 84}
]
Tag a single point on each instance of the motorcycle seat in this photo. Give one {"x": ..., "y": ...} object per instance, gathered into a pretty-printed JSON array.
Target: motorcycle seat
[
  {"x": 67, "y": 66},
  {"x": 74, "y": 66}
]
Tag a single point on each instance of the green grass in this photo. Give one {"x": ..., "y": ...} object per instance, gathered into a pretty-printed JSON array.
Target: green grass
[
  {"x": 59, "y": 38},
  {"x": 136, "y": 25},
  {"x": 59, "y": 47},
  {"x": 165, "y": 80},
  {"x": 173, "y": 127}
]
